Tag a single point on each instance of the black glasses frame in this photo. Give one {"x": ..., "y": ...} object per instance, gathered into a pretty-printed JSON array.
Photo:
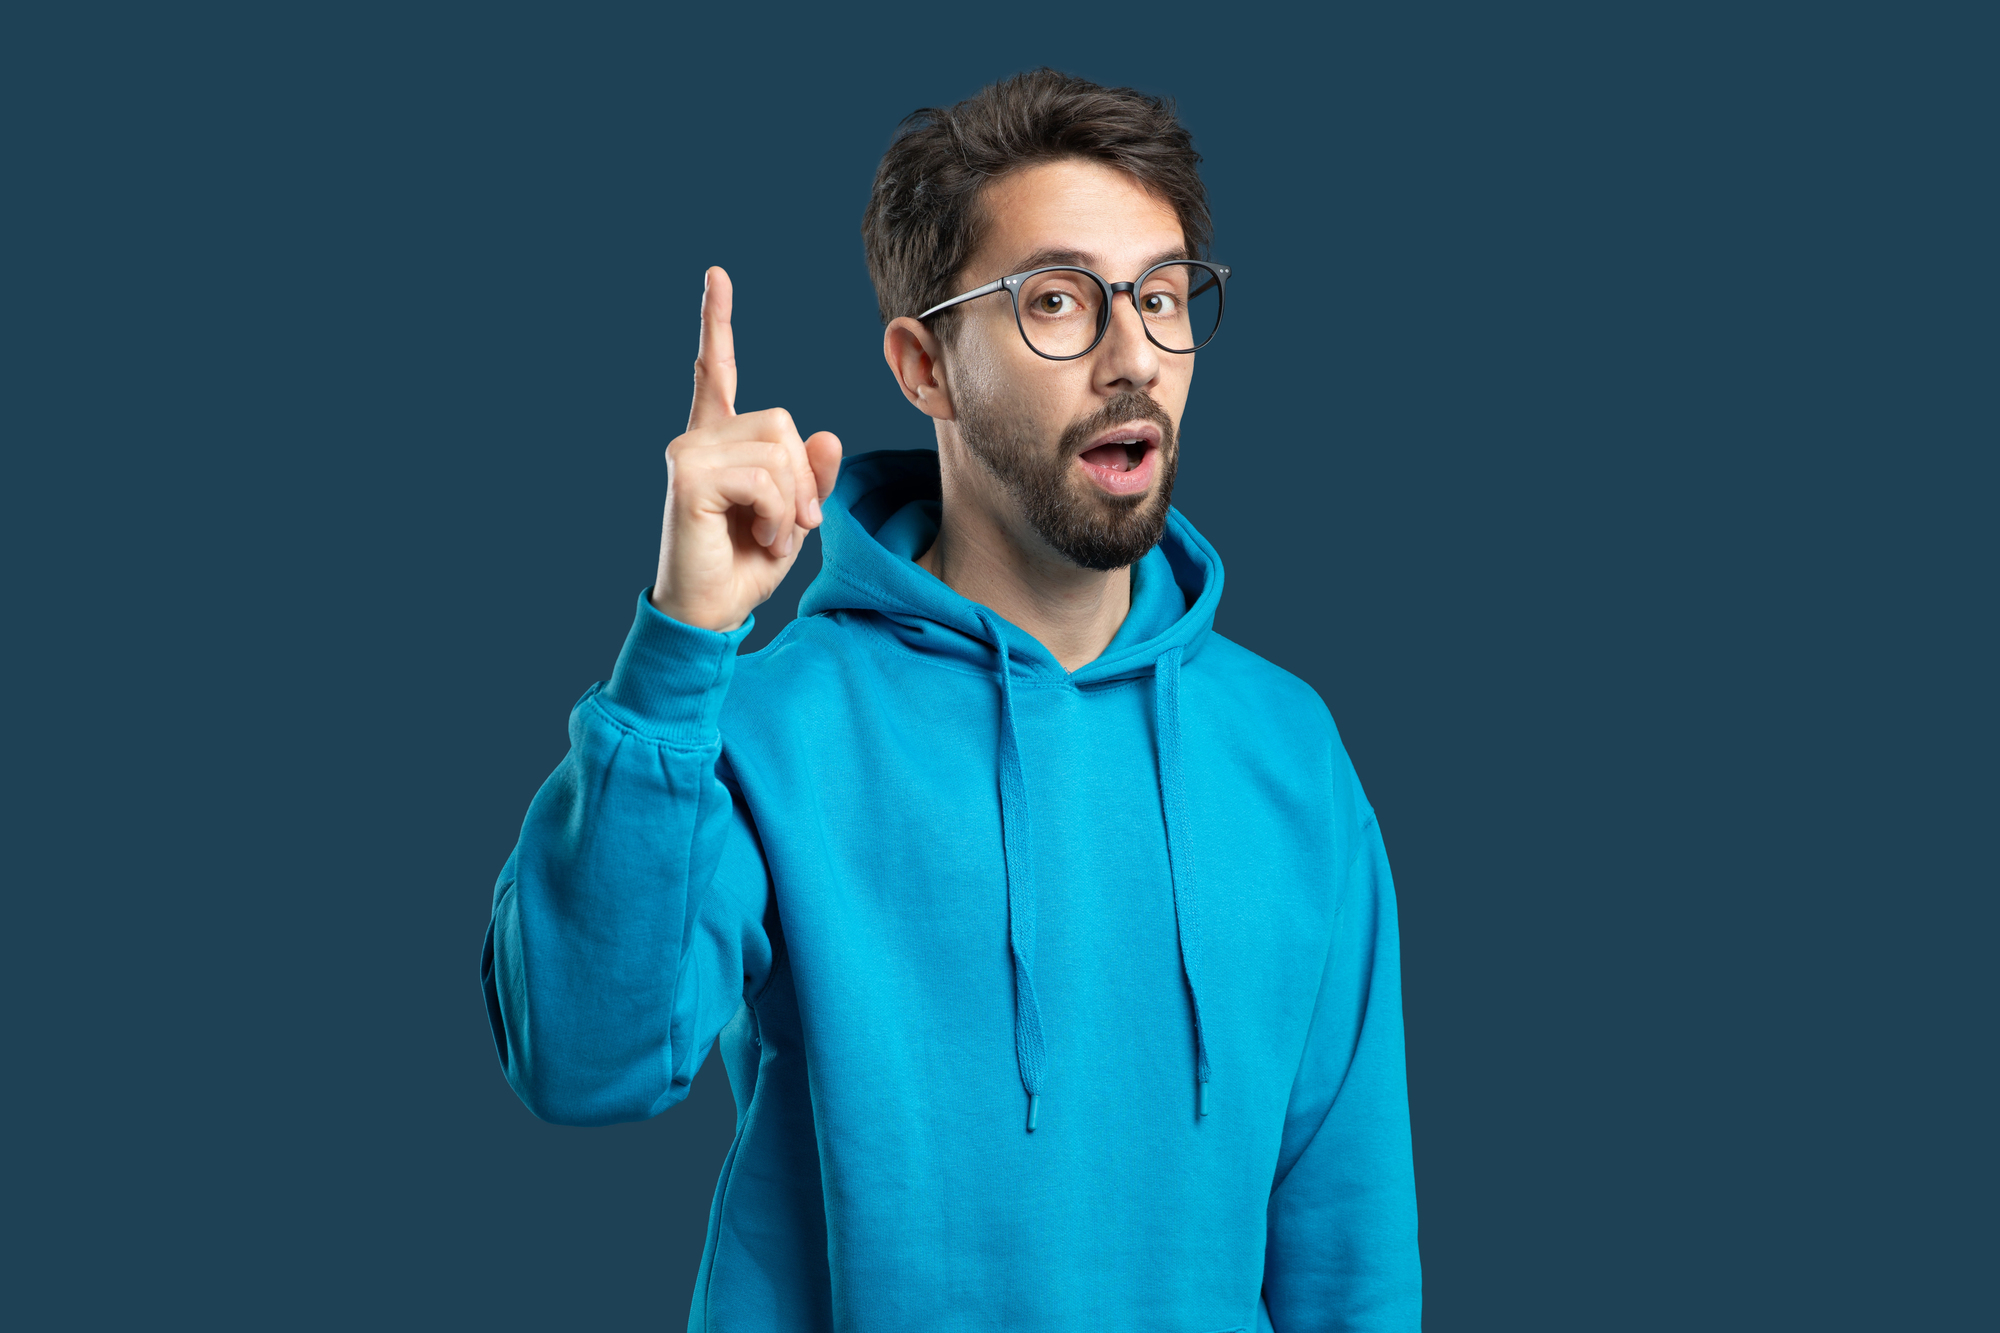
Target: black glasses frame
[{"x": 1011, "y": 284}]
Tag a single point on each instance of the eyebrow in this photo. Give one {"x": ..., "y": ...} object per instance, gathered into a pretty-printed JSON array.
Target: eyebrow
[{"x": 1053, "y": 257}]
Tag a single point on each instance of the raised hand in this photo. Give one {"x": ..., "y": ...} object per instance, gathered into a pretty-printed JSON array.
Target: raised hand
[{"x": 742, "y": 491}]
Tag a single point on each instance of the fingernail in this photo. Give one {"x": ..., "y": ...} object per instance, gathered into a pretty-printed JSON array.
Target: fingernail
[{"x": 812, "y": 506}]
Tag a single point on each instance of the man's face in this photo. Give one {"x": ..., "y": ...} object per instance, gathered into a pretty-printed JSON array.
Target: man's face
[{"x": 1086, "y": 448}]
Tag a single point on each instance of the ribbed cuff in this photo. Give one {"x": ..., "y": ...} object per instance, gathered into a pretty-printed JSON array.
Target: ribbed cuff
[{"x": 672, "y": 678}]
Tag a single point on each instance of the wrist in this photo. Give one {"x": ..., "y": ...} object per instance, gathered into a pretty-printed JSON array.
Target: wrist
[
  {"x": 671, "y": 676},
  {"x": 696, "y": 617}
]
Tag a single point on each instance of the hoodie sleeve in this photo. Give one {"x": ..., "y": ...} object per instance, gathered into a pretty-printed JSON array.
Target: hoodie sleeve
[
  {"x": 1342, "y": 1247},
  {"x": 629, "y": 922}
]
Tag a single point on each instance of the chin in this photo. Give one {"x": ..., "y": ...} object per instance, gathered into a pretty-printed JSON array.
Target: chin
[{"x": 1099, "y": 531}]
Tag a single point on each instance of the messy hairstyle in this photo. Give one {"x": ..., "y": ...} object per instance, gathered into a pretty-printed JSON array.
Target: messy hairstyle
[{"x": 924, "y": 219}]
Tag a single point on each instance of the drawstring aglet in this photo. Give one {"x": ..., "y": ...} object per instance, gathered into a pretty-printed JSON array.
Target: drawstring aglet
[
  {"x": 1034, "y": 1109},
  {"x": 1200, "y": 1098}
]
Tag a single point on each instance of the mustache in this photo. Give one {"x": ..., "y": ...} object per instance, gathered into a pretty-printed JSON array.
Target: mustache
[{"x": 1125, "y": 407}]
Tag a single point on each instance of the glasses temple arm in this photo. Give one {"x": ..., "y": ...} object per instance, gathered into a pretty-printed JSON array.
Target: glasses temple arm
[{"x": 976, "y": 292}]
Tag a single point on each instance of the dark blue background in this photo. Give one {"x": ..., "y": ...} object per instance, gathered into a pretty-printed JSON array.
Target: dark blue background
[{"x": 1603, "y": 425}]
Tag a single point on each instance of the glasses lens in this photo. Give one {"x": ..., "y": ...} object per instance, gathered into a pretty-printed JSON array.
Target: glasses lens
[
  {"x": 1181, "y": 304},
  {"x": 1061, "y": 311}
]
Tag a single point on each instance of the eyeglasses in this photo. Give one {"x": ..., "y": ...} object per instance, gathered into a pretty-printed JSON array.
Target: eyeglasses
[{"x": 1063, "y": 313}]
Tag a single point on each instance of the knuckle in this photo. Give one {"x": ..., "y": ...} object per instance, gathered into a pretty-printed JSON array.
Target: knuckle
[{"x": 775, "y": 419}]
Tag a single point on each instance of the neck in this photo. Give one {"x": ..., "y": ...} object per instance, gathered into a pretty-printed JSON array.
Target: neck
[{"x": 985, "y": 553}]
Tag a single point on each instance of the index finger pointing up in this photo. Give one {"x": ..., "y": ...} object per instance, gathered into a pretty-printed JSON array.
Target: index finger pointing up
[{"x": 715, "y": 367}]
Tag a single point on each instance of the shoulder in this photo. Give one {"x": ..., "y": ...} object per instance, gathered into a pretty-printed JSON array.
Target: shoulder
[
  {"x": 815, "y": 662},
  {"x": 1264, "y": 708},
  {"x": 1243, "y": 680},
  {"x": 806, "y": 648}
]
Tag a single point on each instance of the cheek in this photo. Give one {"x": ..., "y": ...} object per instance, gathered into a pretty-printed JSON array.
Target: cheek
[
  {"x": 1044, "y": 395},
  {"x": 1172, "y": 390},
  {"x": 1059, "y": 398},
  {"x": 1038, "y": 397},
  {"x": 994, "y": 362}
]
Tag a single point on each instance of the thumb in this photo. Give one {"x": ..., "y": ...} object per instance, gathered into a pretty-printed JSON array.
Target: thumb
[
  {"x": 715, "y": 365},
  {"x": 823, "y": 456}
]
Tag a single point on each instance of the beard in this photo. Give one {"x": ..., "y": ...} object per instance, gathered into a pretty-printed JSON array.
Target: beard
[{"x": 1083, "y": 524}]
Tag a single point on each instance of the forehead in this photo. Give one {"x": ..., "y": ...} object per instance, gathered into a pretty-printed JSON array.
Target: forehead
[{"x": 1098, "y": 213}]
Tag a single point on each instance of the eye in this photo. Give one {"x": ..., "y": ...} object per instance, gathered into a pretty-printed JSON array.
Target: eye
[
  {"x": 1160, "y": 305},
  {"x": 1055, "y": 303}
]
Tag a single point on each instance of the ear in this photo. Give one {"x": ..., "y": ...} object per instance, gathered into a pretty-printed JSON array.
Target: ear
[{"x": 916, "y": 360}]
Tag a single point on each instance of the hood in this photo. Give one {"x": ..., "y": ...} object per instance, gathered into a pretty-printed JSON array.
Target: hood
[
  {"x": 881, "y": 516},
  {"x": 883, "y": 513}
]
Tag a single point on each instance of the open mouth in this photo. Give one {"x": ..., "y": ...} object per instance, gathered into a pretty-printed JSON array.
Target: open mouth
[
  {"x": 1118, "y": 455},
  {"x": 1121, "y": 460}
]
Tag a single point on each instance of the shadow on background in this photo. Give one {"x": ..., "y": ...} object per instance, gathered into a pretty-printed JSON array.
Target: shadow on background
[{"x": 1592, "y": 428}]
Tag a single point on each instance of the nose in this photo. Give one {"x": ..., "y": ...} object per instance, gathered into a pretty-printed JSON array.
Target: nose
[{"x": 1127, "y": 361}]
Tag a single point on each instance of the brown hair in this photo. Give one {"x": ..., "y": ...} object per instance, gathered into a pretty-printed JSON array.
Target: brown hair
[{"x": 924, "y": 221}]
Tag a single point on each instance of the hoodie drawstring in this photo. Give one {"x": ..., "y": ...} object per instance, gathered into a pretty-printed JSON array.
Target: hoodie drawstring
[
  {"x": 1016, "y": 846},
  {"x": 1016, "y": 842},
  {"x": 1180, "y": 851}
]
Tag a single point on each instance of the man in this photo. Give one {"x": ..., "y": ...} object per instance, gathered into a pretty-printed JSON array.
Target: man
[{"x": 1047, "y": 933}]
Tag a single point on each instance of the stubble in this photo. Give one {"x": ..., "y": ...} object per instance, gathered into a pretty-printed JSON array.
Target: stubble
[{"x": 1082, "y": 523}]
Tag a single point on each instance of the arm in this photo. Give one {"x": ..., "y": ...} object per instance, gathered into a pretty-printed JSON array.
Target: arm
[
  {"x": 628, "y": 923},
  {"x": 1342, "y": 1247}
]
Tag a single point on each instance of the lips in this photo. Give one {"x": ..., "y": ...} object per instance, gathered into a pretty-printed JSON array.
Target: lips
[{"x": 1122, "y": 460}]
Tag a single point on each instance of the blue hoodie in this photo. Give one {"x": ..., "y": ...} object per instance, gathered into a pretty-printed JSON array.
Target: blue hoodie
[{"x": 1051, "y": 1000}]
